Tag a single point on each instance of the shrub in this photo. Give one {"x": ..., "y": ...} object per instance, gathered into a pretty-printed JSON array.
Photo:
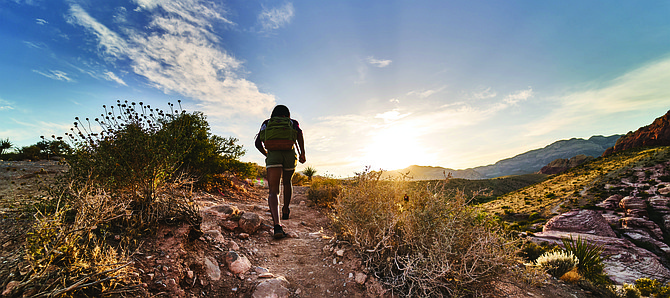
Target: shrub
[
  {"x": 590, "y": 264},
  {"x": 647, "y": 286},
  {"x": 309, "y": 172},
  {"x": 530, "y": 251},
  {"x": 663, "y": 292},
  {"x": 323, "y": 191},
  {"x": 557, "y": 262},
  {"x": 432, "y": 244},
  {"x": 628, "y": 291}
]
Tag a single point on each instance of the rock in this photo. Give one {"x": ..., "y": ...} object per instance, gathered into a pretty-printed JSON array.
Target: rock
[
  {"x": 561, "y": 164},
  {"x": 624, "y": 262},
  {"x": 10, "y": 286},
  {"x": 340, "y": 252},
  {"x": 613, "y": 219},
  {"x": 659, "y": 203},
  {"x": 266, "y": 275},
  {"x": 190, "y": 274},
  {"x": 214, "y": 216},
  {"x": 229, "y": 225},
  {"x": 233, "y": 245},
  {"x": 664, "y": 191},
  {"x": 642, "y": 225},
  {"x": 655, "y": 134},
  {"x": 237, "y": 264},
  {"x": 272, "y": 288},
  {"x": 644, "y": 240},
  {"x": 361, "y": 278},
  {"x": 611, "y": 203},
  {"x": 250, "y": 222},
  {"x": 243, "y": 236},
  {"x": 632, "y": 203},
  {"x": 215, "y": 235},
  {"x": 580, "y": 221},
  {"x": 212, "y": 268}
]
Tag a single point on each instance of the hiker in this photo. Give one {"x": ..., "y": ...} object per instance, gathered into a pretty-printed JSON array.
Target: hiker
[{"x": 276, "y": 141}]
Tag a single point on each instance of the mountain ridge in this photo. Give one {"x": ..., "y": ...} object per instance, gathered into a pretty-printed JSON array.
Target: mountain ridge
[{"x": 525, "y": 163}]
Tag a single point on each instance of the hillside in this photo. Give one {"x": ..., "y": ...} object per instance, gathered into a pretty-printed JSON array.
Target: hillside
[
  {"x": 655, "y": 134},
  {"x": 532, "y": 161},
  {"x": 524, "y": 163}
]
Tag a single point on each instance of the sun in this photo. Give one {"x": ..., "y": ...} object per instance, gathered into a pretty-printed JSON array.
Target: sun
[{"x": 395, "y": 147}]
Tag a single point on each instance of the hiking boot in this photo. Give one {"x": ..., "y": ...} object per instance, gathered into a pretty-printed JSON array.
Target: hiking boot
[{"x": 279, "y": 232}]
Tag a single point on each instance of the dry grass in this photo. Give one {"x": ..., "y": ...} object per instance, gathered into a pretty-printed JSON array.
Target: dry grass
[{"x": 433, "y": 244}]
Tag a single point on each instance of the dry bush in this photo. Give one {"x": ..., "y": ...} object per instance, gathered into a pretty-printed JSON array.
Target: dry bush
[
  {"x": 323, "y": 191},
  {"x": 431, "y": 244}
]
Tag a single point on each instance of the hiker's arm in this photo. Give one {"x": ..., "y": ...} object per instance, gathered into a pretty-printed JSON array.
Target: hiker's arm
[
  {"x": 259, "y": 146},
  {"x": 301, "y": 146}
]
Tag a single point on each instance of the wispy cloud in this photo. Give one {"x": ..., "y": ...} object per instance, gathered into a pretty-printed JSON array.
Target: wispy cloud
[
  {"x": 275, "y": 18},
  {"x": 391, "y": 116},
  {"x": 484, "y": 94},
  {"x": 426, "y": 92},
  {"x": 378, "y": 63},
  {"x": 644, "y": 89},
  {"x": 110, "y": 76},
  {"x": 34, "y": 45},
  {"x": 5, "y": 105},
  {"x": 179, "y": 53},
  {"x": 518, "y": 96},
  {"x": 41, "y": 21},
  {"x": 55, "y": 74}
]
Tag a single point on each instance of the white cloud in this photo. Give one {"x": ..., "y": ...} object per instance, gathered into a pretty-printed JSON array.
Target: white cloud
[
  {"x": 426, "y": 93},
  {"x": 55, "y": 74},
  {"x": 275, "y": 18},
  {"x": 41, "y": 21},
  {"x": 521, "y": 95},
  {"x": 392, "y": 115},
  {"x": 485, "y": 94},
  {"x": 378, "y": 63},
  {"x": 110, "y": 76},
  {"x": 644, "y": 89},
  {"x": 34, "y": 45},
  {"x": 178, "y": 52}
]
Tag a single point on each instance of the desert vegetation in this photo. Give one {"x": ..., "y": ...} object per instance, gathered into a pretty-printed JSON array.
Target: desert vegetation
[
  {"x": 421, "y": 242},
  {"x": 130, "y": 169}
]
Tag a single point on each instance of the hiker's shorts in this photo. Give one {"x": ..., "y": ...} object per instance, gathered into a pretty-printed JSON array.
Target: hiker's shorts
[{"x": 286, "y": 159}]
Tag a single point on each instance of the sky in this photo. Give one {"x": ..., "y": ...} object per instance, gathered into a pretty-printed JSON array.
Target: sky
[{"x": 380, "y": 83}]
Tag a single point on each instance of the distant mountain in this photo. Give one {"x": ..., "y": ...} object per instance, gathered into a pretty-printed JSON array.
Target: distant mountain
[
  {"x": 532, "y": 161},
  {"x": 525, "y": 163},
  {"x": 433, "y": 173},
  {"x": 562, "y": 164},
  {"x": 655, "y": 134}
]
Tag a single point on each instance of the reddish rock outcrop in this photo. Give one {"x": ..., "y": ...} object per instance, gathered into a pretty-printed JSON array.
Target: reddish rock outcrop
[
  {"x": 561, "y": 165},
  {"x": 580, "y": 222},
  {"x": 611, "y": 203},
  {"x": 655, "y": 134}
]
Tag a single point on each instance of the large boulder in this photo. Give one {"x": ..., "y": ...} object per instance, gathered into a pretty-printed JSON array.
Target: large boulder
[
  {"x": 624, "y": 262},
  {"x": 628, "y": 203},
  {"x": 611, "y": 203},
  {"x": 642, "y": 226},
  {"x": 580, "y": 222}
]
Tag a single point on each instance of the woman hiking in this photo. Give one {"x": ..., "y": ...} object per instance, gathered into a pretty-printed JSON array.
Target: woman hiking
[{"x": 276, "y": 140}]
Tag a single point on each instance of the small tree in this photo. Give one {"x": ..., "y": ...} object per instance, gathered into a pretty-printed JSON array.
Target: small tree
[
  {"x": 309, "y": 172},
  {"x": 4, "y": 145}
]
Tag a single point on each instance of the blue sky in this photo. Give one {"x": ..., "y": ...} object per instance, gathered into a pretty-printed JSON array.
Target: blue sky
[{"x": 381, "y": 83}]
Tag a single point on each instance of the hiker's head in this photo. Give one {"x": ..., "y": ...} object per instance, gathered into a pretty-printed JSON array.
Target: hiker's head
[{"x": 280, "y": 111}]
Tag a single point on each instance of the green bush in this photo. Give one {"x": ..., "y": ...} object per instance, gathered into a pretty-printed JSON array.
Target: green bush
[
  {"x": 431, "y": 244},
  {"x": 557, "y": 262},
  {"x": 647, "y": 286},
  {"x": 530, "y": 251},
  {"x": 590, "y": 264}
]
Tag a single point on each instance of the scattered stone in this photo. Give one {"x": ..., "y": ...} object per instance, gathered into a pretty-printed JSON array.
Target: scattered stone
[
  {"x": 237, "y": 264},
  {"x": 340, "y": 252},
  {"x": 233, "y": 245},
  {"x": 10, "y": 286},
  {"x": 261, "y": 270},
  {"x": 272, "y": 288},
  {"x": 190, "y": 274},
  {"x": 250, "y": 222},
  {"x": 212, "y": 268},
  {"x": 215, "y": 235},
  {"x": 266, "y": 275},
  {"x": 243, "y": 236},
  {"x": 361, "y": 278},
  {"x": 229, "y": 225}
]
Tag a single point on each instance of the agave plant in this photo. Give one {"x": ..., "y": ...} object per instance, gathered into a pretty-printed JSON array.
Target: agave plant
[{"x": 590, "y": 264}]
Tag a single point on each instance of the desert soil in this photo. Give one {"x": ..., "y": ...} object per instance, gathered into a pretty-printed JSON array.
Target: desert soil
[{"x": 170, "y": 263}]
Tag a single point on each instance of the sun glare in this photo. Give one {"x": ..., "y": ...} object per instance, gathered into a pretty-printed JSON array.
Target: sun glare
[{"x": 395, "y": 147}]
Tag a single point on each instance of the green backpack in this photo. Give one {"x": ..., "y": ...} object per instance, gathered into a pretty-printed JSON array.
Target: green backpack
[{"x": 279, "y": 134}]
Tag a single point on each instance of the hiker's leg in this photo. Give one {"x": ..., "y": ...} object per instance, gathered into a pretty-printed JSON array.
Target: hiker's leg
[
  {"x": 274, "y": 175},
  {"x": 288, "y": 190}
]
